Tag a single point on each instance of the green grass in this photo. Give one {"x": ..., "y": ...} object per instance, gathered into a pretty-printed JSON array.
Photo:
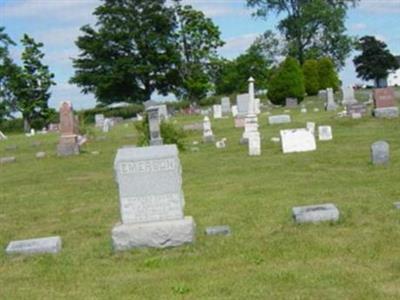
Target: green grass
[{"x": 266, "y": 257}]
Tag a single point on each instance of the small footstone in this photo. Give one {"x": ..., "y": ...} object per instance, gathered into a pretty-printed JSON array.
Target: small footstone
[
  {"x": 41, "y": 155},
  {"x": 315, "y": 213},
  {"x": 218, "y": 230},
  {"x": 95, "y": 152},
  {"x": 41, "y": 245},
  {"x": 7, "y": 160},
  {"x": 397, "y": 205}
]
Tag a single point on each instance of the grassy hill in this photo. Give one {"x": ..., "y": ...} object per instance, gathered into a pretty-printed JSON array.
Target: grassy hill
[{"x": 266, "y": 257}]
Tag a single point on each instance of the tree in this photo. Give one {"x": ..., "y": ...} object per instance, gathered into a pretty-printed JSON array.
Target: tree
[
  {"x": 328, "y": 77},
  {"x": 311, "y": 77},
  {"x": 375, "y": 62},
  {"x": 288, "y": 81},
  {"x": 130, "y": 53},
  {"x": 198, "y": 41},
  {"x": 32, "y": 84},
  {"x": 312, "y": 28},
  {"x": 8, "y": 73}
]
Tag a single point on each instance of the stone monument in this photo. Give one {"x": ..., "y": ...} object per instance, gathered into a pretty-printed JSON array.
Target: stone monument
[
  {"x": 325, "y": 133},
  {"x": 330, "y": 100},
  {"x": 99, "y": 120},
  {"x": 291, "y": 102},
  {"x": 251, "y": 122},
  {"x": 154, "y": 126},
  {"x": 217, "y": 111},
  {"x": 208, "y": 136},
  {"x": 380, "y": 153},
  {"x": 226, "y": 106},
  {"x": 151, "y": 199},
  {"x": 348, "y": 96},
  {"x": 68, "y": 144},
  {"x": 297, "y": 140},
  {"x": 385, "y": 103}
]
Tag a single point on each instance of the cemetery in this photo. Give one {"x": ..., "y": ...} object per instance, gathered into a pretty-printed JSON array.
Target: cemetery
[{"x": 199, "y": 150}]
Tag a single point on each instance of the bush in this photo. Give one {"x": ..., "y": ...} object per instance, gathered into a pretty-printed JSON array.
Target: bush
[
  {"x": 12, "y": 126},
  {"x": 288, "y": 81},
  {"x": 170, "y": 133},
  {"x": 311, "y": 77},
  {"x": 328, "y": 77}
]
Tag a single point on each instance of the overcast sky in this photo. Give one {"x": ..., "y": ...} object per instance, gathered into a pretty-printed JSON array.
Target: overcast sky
[{"x": 56, "y": 23}]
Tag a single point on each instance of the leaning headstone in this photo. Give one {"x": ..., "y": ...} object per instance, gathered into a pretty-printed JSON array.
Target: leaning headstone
[
  {"x": 315, "y": 213},
  {"x": 385, "y": 103},
  {"x": 208, "y": 136},
  {"x": 218, "y": 230},
  {"x": 330, "y": 100},
  {"x": 348, "y": 96},
  {"x": 325, "y": 133},
  {"x": 226, "y": 106},
  {"x": 279, "y": 119},
  {"x": 35, "y": 246},
  {"x": 297, "y": 140},
  {"x": 2, "y": 136},
  {"x": 151, "y": 199},
  {"x": 68, "y": 144},
  {"x": 154, "y": 127},
  {"x": 217, "y": 111},
  {"x": 7, "y": 160},
  {"x": 291, "y": 102},
  {"x": 99, "y": 120},
  {"x": 380, "y": 153}
]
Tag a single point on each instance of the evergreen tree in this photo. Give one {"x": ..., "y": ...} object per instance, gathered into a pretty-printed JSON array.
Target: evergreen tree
[
  {"x": 311, "y": 77},
  {"x": 328, "y": 77},
  {"x": 288, "y": 81}
]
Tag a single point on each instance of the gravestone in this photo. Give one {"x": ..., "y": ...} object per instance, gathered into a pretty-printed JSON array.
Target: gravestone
[
  {"x": 257, "y": 104},
  {"x": 297, "y": 140},
  {"x": 279, "y": 119},
  {"x": 291, "y": 102},
  {"x": 68, "y": 144},
  {"x": 325, "y": 133},
  {"x": 348, "y": 96},
  {"x": 99, "y": 120},
  {"x": 151, "y": 199},
  {"x": 208, "y": 136},
  {"x": 311, "y": 127},
  {"x": 35, "y": 246},
  {"x": 380, "y": 153},
  {"x": 322, "y": 94},
  {"x": 239, "y": 121},
  {"x": 226, "y": 106},
  {"x": 251, "y": 122},
  {"x": 315, "y": 213},
  {"x": 242, "y": 102},
  {"x": 7, "y": 160},
  {"x": 154, "y": 126},
  {"x": 358, "y": 109},
  {"x": 218, "y": 230},
  {"x": 2, "y": 136},
  {"x": 106, "y": 125},
  {"x": 254, "y": 142},
  {"x": 40, "y": 155},
  {"x": 330, "y": 100},
  {"x": 385, "y": 103},
  {"x": 217, "y": 111},
  {"x": 234, "y": 110}
]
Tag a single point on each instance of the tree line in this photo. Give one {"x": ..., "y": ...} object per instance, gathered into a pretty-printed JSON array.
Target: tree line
[{"x": 138, "y": 47}]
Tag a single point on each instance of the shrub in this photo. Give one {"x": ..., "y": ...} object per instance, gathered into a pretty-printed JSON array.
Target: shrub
[
  {"x": 328, "y": 77},
  {"x": 288, "y": 81},
  {"x": 311, "y": 77},
  {"x": 123, "y": 112},
  {"x": 170, "y": 133}
]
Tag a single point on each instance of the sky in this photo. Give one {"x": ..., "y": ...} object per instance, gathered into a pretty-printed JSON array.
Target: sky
[{"x": 56, "y": 23}]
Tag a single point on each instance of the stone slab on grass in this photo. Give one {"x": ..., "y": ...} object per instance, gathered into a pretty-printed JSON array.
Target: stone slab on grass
[
  {"x": 32, "y": 246},
  {"x": 315, "y": 213}
]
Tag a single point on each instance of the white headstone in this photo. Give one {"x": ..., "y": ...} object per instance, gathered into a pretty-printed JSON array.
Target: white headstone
[
  {"x": 217, "y": 111},
  {"x": 330, "y": 100},
  {"x": 234, "y": 111},
  {"x": 242, "y": 101},
  {"x": 99, "y": 120},
  {"x": 33, "y": 246},
  {"x": 151, "y": 199},
  {"x": 106, "y": 125},
  {"x": 311, "y": 127},
  {"x": 226, "y": 105},
  {"x": 254, "y": 143},
  {"x": 207, "y": 131},
  {"x": 257, "y": 106},
  {"x": 348, "y": 95},
  {"x": 279, "y": 119},
  {"x": 297, "y": 140},
  {"x": 325, "y": 133},
  {"x": 2, "y": 136}
]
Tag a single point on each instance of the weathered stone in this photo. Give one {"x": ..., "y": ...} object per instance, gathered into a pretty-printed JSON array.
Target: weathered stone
[
  {"x": 221, "y": 144},
  {"x": 208, "y": 136},
  {"x": 384, "y": 98},
  {"x": 218, "y": 230},
  {"x": 154, "y": 127},
  {"x": 193, "y": 127},
  {"x": 226, "y": 105},
  {"x": 7, "y": 160},
  {"x": 33, "y": 246},
  {"x": 217, "y": 111},
  {"x": 242, "y": 101},
  {"x": 316, "y": 109},
  {"x": 254, "y": 142},
  {"x": 356, "y": 108},
  {"x": 297, "y": 140},
  {"x": 291, "y": 102},
  {"x": 386, "y": 112},
  {"x": 380, "y": 153},
  {"x": 275, "y": 139},
  {"x": 151, "y": 199},
  {"x": 325, "y": 133},
  {"x": 257, "y": 106},
  {"x": 397, "y": 205},
  {"x": 348, "y": 96},
  {"x": 311, "y": 127},
  {"x": 99, "y": 120},
  {"x": 11, "y": 147},
  {"x": 234, "y": 110},
  {"x": 40, "y": 154},
  {"x": 279, "y": 119},
  {"x": 303, "y": 110},
  {"x": 239, "y": 121},
  {"x": 330, "y": 100},
  {"x": 315, "y": 213},
  {"x": 68, "y": 144},
  {"x": 2, "y": 136}
]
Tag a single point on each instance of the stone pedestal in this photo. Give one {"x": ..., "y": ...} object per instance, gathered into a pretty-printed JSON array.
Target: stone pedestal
[
  {"x": 386, "y": 112},
  {"x": 250, "y": 125},
  {"x": 151, "y": 199},
  {"x": 68, "y": 145}
]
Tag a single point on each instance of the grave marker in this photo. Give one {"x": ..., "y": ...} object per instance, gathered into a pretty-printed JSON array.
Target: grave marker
[
  {"x": 68, "y": 144},
  {"x": 325, "y": 133},
  {"x": 297, "y": 140},
  {"x": 35, "y": 246},
  {"x": 315, "y": 213},
  {"x": 380, "y": 153}
]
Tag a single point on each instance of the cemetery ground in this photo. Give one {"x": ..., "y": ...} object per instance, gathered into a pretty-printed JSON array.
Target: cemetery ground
[{"x": 267, "y": 256}]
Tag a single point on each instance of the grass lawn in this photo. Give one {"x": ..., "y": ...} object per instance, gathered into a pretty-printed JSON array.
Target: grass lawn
[{"x": 266, "y": 257}]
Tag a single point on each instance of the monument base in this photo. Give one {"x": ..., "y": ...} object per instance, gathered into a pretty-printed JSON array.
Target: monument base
[
  {"x": 239, "y": 121},
  {"x": 386, "y": 112},
  {"x": 208, "y": 139},
  {"x": 155, "y": 234},
  {"x": 68, "y": 145},
  {"x": 156, "y": 142}
]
